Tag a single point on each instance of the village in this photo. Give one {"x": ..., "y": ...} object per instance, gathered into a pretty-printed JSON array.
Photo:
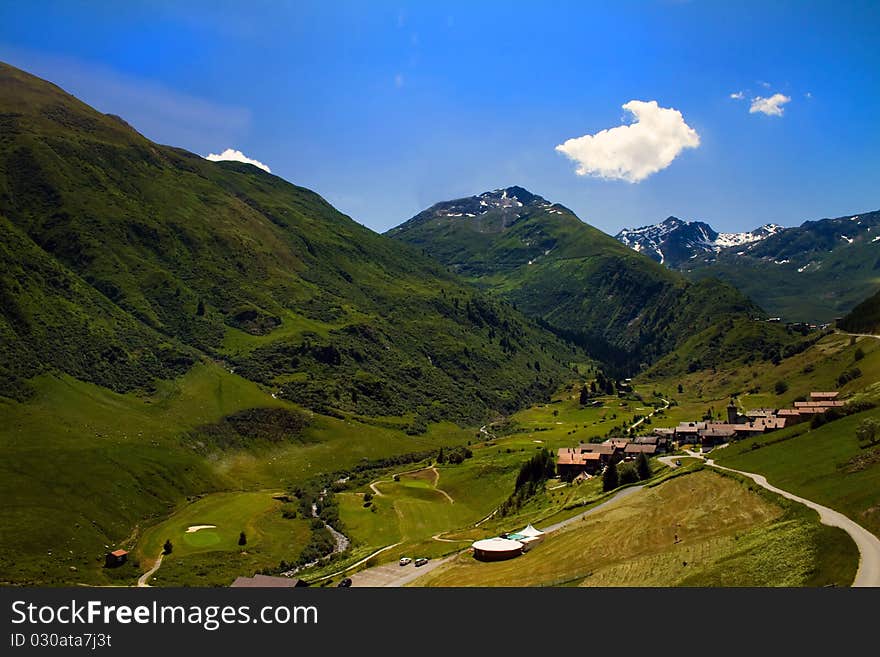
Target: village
[{"x": 588, "y": 459}]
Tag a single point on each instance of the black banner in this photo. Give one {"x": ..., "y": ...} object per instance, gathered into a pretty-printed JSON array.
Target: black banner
[{"x": 338, "y": 620}]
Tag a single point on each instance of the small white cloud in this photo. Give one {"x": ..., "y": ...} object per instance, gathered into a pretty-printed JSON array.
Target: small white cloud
[
  {"x": 398, "y": 80},
  {"x": 635, "y": 151},
  {"x": 739, "y": 95},
  {"x": 808, "y": 95},
  {"x": 766, "y": 85},
  {"x": 771, "y": 106},
  {"x": 236, "y": 156}
]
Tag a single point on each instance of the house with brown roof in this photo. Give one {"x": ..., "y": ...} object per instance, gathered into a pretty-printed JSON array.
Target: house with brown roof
[
  {"x": 823, "y": 396},
  {"x": 633, "y": 450},
  {"x": 115, "y": 558},
  {"x": 715, "y": 434},
  {"x": 586, "y": 457}
]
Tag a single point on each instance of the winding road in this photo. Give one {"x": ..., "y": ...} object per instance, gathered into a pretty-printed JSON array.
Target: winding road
[
  {"x": 143, "y": 579},
  {"x": 868, "y": 573}
]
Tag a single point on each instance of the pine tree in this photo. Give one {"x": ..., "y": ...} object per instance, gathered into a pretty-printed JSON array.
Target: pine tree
[
  {"x": 201, "y": 309},
  {"x": 168, "y": 547},
  {"x": 610, "y": 479},
  {"x": 242, "y": 539},
  {"x": 643, "y": 467},
  {"x": 585, "y": 395}
]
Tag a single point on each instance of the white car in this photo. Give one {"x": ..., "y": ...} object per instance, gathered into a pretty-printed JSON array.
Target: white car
[{"x": 405, "y": 561}]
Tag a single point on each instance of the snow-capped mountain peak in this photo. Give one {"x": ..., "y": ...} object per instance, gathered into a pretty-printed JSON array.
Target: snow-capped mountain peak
[{"x": 675, "y": 241}]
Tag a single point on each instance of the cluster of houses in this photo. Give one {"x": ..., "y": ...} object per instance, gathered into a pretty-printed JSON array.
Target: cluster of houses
[
  {"x": 749, "y": 424},
  {"x": 589, "y": 458}
]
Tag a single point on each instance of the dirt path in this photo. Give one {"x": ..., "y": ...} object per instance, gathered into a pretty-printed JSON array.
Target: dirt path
[
  {"x": 143, "y": 579},
  {"x": 378, "y": 493},
  {"x": 868, "y": 573},
  {"x": 665, "y": 401},
  {"x": 436, "y": 537},
  {"x": 440, "y": 490}
]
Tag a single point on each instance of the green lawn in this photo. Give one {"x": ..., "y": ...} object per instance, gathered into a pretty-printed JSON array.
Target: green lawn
[{"x": 212, "y": 556}]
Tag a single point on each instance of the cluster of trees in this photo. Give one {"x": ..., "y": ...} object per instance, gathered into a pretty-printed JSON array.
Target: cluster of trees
[
  {"x": 628, "y": 473},
  {"x": 454, "y": 455},
  {"x": 531, "y": 479},
  {"x": 848, "y": 375}
]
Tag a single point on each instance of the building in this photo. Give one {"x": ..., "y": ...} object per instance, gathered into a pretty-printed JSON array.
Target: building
[
  {"x": 496, "y": 549},
  {"x": 633, "y": 450},
  {"x": 586, "y": 458},
  {"x": 267, "y": 582},
  {"x": 823, "y": 396},
  {"x": 116, "y": 558},
  {"x": 715, "y": 434}
]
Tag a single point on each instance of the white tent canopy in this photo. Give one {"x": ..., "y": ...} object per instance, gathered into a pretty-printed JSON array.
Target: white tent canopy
[{"x": 530, "y": 531}]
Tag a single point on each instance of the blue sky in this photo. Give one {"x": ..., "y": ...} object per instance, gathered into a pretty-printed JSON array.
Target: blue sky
[{"x": 387, "y": 107}]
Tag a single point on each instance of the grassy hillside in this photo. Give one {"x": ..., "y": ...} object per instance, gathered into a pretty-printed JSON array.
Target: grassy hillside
[
  {"x": 626, "y": 309},
  {"x": 127, "y": 258},
  {"x": 702, "y": 529},
  {"x": 826, "y": 465},
  {"x": 864, "y": 318}
]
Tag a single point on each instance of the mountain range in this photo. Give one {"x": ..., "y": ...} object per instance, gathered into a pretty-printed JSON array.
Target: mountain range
[
  {"x": 675, "y": 242},
  {"x": 837, "y": 258}
]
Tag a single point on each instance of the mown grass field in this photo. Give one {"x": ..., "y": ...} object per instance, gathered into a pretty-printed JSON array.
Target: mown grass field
[
  {"x": 820, "y": 465},
  {"x": 728, "y": 535}
]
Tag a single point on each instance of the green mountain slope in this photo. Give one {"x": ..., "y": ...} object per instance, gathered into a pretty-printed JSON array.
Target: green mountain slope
[
  {"x": 626, "y": 309},
  {"x": 811, "y": 273},
  {"x": 864, "y": 318},
  {"x": 129, "y": 260}
]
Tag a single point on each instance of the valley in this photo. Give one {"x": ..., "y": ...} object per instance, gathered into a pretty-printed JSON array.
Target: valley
[{"x": 207, "y": 372}]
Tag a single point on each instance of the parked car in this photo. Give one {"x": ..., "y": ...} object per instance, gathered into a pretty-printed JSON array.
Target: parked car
[
  {"x": 421, "y": 561},
  {"x": 404, "y": 561},
  {"x": 345, "y": 582}
]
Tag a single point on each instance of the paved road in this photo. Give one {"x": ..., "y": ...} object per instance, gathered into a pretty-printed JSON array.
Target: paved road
[
  {"x": 626, "y": 492},
  {"x": 862, "y": 335},
  {"x": 394, "y": 575},
  {"x": 868, "y": 573}
]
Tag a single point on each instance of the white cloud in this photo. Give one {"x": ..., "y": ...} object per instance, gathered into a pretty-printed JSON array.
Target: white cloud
[
  {"x": 771, "y": 106},
  {"x": 399, "y": 80},
  {"x": 739, "y": 95},
  {"x": 236, "y": 156},
  {"x": 635, "y": 151}
]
